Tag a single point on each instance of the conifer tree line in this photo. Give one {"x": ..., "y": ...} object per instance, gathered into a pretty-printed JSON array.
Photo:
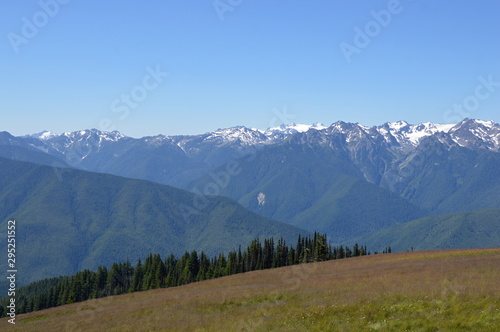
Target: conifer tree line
[{"x": 155, "y": 272}]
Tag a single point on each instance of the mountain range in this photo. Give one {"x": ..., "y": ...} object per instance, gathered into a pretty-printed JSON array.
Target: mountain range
[
  {"x": 347, "y": 180},
  {"x": 175, "y": 160}
]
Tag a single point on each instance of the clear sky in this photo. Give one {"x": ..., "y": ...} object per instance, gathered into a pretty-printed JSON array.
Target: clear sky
[{"x": 67, "y": 65}]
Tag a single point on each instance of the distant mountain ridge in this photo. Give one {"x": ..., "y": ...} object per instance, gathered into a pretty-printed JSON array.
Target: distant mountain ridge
[
  {"x": 401, "y": 132},
  {"x": 176, "y": 160},
  {"x": 345, "y": 179}
]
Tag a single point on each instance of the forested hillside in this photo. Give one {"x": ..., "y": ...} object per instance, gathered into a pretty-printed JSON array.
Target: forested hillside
[
  {"x": 156, "y": 272},
  {"x": 70, "y": 220}
]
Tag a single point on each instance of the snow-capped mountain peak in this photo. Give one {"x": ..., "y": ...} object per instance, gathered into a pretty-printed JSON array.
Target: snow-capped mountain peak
[
  {"x": 474, "y": 133},
  {"x": 344, "y": 127},
  {"x": 400, "y": 135},
  {"x": 397, "y": 125},
  {"x": 44, "y": 135},
  {"x": 241, "y": 134},
  {"x": 488, "y": 124},
  {"x": 76, "y": 145},
  {"x": 280, "y": 133},
  {"x": 407, "y": 134},
  {"x": 93, "y": 134},
  {"x": 294, "y": 128}
]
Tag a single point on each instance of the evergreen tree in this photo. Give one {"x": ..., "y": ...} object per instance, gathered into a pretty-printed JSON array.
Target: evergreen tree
[
  {"x": 232, "y": 263},
  {"x": 204, "y": 266},
  {"x": 137, "y": 278},
  {"x": 99, "y": 289},
  {"x": 355, "y": 250}
]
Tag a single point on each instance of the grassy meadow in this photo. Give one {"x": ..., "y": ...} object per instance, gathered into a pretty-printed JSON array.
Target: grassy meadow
[{"x": 441, "y": 290}]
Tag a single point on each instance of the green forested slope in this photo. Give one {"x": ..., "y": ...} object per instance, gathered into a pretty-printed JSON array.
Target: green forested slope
[
  {"x": 318, "y": 189},
  {"x": 68, "y": 220}
]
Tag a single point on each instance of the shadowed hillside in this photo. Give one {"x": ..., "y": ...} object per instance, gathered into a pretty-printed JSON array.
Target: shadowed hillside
[
  {"x": 473, "y": 229},
  {"x": 69, "y": 220}
]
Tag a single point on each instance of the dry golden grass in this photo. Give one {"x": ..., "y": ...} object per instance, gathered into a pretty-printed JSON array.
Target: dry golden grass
[{"x": 445, "y": 290}]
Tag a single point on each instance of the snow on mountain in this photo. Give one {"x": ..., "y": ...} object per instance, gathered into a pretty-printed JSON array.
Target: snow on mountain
[
  {"x": 94, "y": 134},
  {"x": 239, "y": 134},
  {"x": 408, "y": 135},
  {"x": 473, "y": 133},
  {"x": 346, "y": 127},
  {"x": 397, "y": 126},
  {"x": 488, "y": 124},
  {"x": 90, "y": 137},
  {"x": 76, "y": 145},
  {"x": 485, "y": 134},
  {"x": 293, "y": 128},
  {"x": 400, "y": 134},
  {"x": 414, "y": 133},
  {"x": 44, "y": 135},
  {"x": 280, "y": 133}
]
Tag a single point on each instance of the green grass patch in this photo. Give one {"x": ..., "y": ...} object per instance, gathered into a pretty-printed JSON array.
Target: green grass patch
[{"x": 398, "y": 313}]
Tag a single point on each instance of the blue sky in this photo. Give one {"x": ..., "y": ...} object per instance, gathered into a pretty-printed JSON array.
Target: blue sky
[{"x": 71, "y": 65}]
